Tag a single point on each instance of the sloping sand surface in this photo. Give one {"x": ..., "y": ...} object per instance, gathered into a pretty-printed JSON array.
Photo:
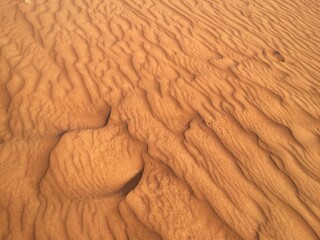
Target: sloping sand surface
[{"x": 159, "y": 119}]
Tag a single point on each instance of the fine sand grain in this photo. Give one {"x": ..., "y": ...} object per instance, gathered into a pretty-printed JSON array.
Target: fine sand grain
[{"x": 159, "y": 119}]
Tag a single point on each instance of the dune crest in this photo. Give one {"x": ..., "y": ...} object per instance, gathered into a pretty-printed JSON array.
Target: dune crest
[{"x": 188, "y": 119}]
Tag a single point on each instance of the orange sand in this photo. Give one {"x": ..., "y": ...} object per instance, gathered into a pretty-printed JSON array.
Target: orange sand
[{"x": 168, "y": 119}]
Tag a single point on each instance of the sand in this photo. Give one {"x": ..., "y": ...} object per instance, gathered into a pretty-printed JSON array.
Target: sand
[{"x": 167, "y": 119}]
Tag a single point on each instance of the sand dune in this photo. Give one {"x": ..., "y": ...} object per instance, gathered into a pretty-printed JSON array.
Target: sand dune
[{"x": 168, "y": 119}]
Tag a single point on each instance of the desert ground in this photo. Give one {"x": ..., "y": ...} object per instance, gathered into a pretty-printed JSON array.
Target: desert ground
[{"x": 159, "y": 119}]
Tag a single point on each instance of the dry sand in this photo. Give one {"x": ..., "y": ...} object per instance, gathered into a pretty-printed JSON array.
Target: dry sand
[{"x": 159, "y": 119}]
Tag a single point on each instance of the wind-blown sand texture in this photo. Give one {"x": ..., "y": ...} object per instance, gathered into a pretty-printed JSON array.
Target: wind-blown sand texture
[{"x": 167, "y": 119}]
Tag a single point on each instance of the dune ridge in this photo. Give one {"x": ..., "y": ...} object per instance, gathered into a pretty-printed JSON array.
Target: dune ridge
[{"x": 188, "y": 119}]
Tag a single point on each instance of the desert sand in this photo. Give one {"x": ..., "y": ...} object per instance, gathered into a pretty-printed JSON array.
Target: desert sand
[{"x": 159, "y": 119}]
